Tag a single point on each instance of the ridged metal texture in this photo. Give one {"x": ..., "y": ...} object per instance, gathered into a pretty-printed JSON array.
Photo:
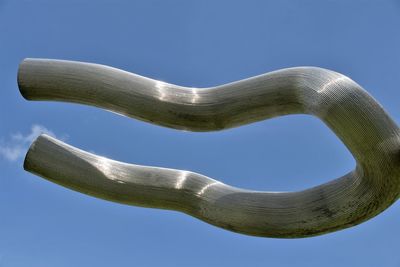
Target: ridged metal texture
[{"x": 348, "y": 110}]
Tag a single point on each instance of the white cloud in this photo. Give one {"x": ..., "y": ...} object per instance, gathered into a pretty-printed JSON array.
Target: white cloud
[{"x": 17, "y": 146}]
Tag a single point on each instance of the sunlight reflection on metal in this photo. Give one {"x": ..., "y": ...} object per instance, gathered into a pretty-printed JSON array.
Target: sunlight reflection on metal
[
  {"x": 161, "y": 90},
  {"x": 103, "y": 165},
  {"x": 195, "y": 96},
  {"x": 106, "y": 166},
  {"x": 181, "y": 179},
  {"x": 333, "y": 82},
  {"x": 205, "y": 188}
]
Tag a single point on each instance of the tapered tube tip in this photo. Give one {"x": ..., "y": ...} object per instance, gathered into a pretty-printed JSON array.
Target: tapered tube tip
[
  {"x": 30, "y": 154},
  {"x": 23, "y": 77}
]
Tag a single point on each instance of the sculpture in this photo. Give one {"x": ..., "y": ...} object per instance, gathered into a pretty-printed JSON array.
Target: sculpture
[{"x": 352, "y": 114}]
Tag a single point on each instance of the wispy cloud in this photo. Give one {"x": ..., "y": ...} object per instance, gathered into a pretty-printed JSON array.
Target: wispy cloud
[{"x": 16, "y": 147}]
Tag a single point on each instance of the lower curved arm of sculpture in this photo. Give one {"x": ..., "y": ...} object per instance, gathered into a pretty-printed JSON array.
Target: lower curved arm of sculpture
[{"x": 354, "y": 116}]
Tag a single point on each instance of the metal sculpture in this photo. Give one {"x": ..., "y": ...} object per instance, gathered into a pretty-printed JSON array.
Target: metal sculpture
[{"x": 348, "y": 110}]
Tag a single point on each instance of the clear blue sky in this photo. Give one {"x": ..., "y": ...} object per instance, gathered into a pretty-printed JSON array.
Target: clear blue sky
[{"x": 191, "y": 43}]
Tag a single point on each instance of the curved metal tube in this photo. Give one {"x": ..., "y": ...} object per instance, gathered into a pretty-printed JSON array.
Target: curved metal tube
[{"x": 352, "y": 114}]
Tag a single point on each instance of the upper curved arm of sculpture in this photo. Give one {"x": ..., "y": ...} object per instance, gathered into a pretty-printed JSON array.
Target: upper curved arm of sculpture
[{"x": 353, "y": 115}]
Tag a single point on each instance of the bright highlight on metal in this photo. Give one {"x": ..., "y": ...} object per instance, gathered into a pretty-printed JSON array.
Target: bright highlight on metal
[{"x": 348, "y": 110}]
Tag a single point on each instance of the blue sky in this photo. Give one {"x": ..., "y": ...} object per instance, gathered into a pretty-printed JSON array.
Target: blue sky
[{"x": 190, "y": 43}]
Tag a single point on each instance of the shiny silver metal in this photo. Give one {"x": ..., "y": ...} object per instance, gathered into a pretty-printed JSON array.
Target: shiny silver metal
[{"x": 352, "y": 114}]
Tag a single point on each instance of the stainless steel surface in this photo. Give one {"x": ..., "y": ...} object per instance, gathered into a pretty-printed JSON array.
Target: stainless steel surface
[{"x": 348, "y": 110}]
